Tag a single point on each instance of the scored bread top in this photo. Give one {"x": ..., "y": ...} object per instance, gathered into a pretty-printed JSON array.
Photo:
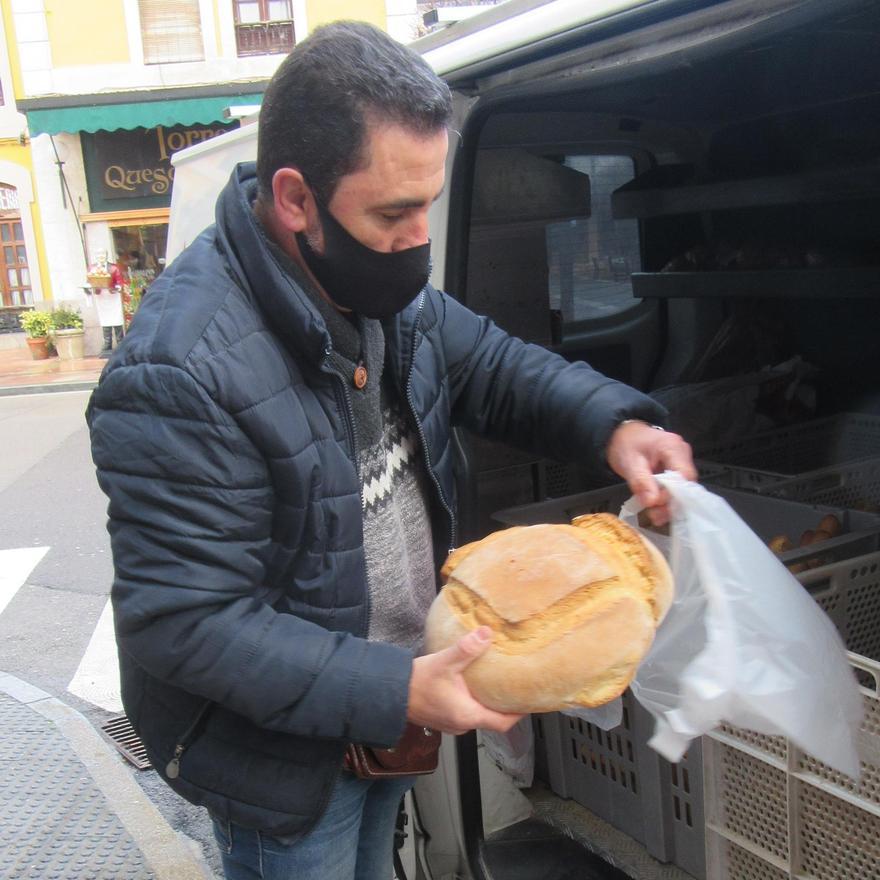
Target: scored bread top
[
  {"x": 515, "y": 560},
  {"x": 632, "y": 556},
  {"x": 525, "y": 570}
]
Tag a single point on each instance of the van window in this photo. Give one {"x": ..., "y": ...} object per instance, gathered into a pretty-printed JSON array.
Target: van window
[{"x": 590, "y": 259}]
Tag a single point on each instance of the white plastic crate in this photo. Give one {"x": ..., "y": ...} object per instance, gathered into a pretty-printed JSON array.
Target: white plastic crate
[
  {"x": 736, "y": 477},
  {"x": 793, "y": 817},
  {"x": 774, "y": 812},
  {"x": 615, "y": 775},
  {"x": 802, "y": 447},
  {"x": 849, "y": 592},
  {"x": 855, "y": 485},
  {"x": 766, "y": 516}
]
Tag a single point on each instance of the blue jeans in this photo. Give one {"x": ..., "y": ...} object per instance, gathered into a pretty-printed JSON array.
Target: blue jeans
[{"x": 353, "y": 840}]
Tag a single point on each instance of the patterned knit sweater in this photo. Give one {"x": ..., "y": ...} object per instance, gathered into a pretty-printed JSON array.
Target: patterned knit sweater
[{"x": 396, "y": 523}]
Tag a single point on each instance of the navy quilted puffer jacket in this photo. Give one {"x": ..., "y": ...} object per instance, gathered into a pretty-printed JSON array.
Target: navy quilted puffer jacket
[{"x": 224, "y": 443}]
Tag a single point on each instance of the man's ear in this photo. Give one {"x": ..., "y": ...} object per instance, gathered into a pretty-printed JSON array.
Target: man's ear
[{"x": 292, "y": 200}]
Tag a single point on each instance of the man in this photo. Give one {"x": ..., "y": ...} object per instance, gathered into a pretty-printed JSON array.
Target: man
[{"x": 274, "y": 439}]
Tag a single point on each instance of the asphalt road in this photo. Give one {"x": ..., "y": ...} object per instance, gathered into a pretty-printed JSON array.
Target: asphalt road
[{"x": 49, "y": 498}]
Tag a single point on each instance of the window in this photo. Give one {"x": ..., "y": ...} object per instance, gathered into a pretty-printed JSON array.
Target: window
[
  {"x": 8, "y": 198},
  {"x": 148, "y": 242},
  {"x": 15, "y": 276},
  {"x": 171, "y": 31},
  {"x": 263, "y": 27},
  {"x": 591, "y": 259}
]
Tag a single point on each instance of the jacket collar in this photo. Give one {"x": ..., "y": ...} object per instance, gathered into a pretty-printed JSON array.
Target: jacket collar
[
  {"x": 283, "y": 292},
  {"x": 399, "y": 338},
  {"x": 280, "y": 291}
]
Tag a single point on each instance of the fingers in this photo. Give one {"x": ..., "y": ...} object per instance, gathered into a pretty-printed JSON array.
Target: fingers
[
  {"x": 459, "y": 656},
  {"x": 483, "y": 718},
  {"x": 665, "y": 451},
  {"x": 500, "y": 722},
  {"x": 659, "y": 516},
  {"x": 439, "y": 696},
  {"x": 647, "y": 490},
  {"x": 467, "y": 649},
  {"x": 637, "y": 452},
  {"x": 679, "y": 457}
]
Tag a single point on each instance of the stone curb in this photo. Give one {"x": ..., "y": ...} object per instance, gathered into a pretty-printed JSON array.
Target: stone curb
[{"x": 49, "y": 388}]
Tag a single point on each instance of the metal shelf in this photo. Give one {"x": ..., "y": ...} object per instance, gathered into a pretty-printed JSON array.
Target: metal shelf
[
  {"x": 842, "y": 283},
  {"x": 669, "y": 190}
]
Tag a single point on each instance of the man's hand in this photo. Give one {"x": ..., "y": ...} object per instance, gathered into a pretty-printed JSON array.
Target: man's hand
[
  {"x": 439, "y": 697},
  {"x": 637, "y": 451}
]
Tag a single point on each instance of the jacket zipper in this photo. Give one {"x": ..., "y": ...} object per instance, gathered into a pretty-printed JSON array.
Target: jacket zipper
[
  {"x": 421, "y": 431},
  {"x": 352, "y": 436},
  {"x": 172, "y": 768},
  {"x": 348, "y": 411}
]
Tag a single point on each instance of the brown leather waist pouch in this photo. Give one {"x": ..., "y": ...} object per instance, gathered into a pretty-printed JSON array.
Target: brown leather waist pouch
[{"x": 416, "y": 753}]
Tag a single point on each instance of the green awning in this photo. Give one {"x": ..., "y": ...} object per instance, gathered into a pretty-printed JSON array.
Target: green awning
[{"x": 141, "y": 114}]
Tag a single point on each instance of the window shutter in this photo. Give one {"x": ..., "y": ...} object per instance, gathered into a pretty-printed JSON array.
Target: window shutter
[{"x": 171, "y": 31}]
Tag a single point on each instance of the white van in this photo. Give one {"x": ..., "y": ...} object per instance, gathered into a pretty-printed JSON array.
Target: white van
[{"x": 684, "y": 194}]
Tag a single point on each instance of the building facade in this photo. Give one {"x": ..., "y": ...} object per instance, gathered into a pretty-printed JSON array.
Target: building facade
[
  {"x": 22, "y": 257},
  {"x": 110, "y": 90}
]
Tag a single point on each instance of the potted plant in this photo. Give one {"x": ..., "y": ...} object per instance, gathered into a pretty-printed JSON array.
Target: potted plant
[
  {"x": 36, "y": 326},
  {"x": 131, "y": 299},
  {"x": 68, "y": 333}
]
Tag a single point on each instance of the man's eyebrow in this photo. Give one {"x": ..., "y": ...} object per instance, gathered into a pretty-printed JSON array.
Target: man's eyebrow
[{"x": 404, "y": 204}]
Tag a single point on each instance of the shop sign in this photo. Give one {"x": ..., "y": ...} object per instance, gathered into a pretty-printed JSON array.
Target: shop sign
[{"x": 137, "y": 163}]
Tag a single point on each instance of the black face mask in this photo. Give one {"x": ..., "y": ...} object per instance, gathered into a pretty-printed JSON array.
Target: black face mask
[{"x": 356, "y": 277}]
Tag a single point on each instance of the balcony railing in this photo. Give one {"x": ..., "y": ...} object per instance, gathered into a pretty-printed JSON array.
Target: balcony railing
[{"x": 264, "y": 38}]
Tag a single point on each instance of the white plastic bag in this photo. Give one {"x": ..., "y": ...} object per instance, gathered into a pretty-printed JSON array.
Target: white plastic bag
[
  {"x": 743, "y": 641},
  {"x": 513, "y": 752},
  {"x": 503, "y": 804}
]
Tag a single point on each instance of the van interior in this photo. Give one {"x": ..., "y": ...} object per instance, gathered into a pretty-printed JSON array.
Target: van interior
[{"x": 692, "y": 210}]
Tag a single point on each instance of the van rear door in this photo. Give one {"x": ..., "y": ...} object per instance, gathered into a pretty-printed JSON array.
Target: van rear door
[{"x": 544, "y": 234}]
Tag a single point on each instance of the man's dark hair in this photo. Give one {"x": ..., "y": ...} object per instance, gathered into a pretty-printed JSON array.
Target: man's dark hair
[{"x": 317, "y": 107}]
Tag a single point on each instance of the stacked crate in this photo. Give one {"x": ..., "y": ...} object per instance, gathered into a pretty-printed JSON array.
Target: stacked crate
[
  {"x": 766, "y": 810},
  {"x": 774, "y": 812}
]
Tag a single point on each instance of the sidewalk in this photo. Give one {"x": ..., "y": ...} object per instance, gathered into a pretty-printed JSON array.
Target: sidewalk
[
  {"x": 21, "y": 374},
  {"x": 70, "y": 809}
]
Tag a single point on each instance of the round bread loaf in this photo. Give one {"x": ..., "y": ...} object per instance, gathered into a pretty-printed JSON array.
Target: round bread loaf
[{"x": 573, "y": 609}]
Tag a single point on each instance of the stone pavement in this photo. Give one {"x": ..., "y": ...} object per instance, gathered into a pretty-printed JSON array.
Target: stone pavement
[
  {"x": 21, "y": 374},
  {"x": 70, "y": 808}
]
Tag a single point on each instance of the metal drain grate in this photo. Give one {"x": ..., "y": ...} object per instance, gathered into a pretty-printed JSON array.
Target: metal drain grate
[{"x": 122, "y": 735}]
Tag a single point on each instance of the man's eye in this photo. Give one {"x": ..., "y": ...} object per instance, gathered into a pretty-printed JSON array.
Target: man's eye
[{"x": 391, "y": 217}]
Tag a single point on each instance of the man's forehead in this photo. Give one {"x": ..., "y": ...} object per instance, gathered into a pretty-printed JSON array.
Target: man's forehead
[
  {"x": 404, "y": 168},
  {"x": 398, "y": 142},
  {"x": 401, "y": 204}
]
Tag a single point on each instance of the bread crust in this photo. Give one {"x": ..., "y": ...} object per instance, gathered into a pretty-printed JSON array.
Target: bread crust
[{"x": 573, "y": 609}]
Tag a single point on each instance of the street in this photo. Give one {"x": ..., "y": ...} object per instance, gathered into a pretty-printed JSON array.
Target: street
[{"x": 55, "y": 576}]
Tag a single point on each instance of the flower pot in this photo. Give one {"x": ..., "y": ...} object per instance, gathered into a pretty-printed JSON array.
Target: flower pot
[
  {"x": 70, "y": 344},
  {"x": 39, "y": 346}
]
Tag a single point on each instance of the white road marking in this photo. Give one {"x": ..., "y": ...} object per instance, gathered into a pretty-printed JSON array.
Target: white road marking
[
  {"x": 15, "y": 566},
  {"x": 96, "y": 680}
]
